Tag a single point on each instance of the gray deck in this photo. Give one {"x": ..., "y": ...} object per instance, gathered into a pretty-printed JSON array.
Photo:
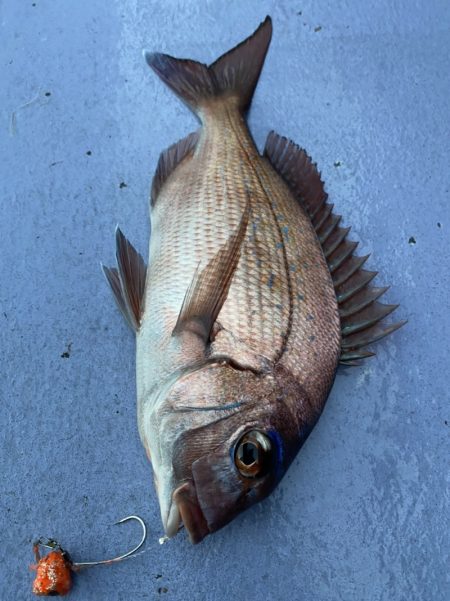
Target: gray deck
[{"x": 364, "y": 87}]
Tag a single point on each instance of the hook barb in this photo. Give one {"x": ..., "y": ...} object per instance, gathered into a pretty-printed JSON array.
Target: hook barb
[{"x": 86, "y": 564}]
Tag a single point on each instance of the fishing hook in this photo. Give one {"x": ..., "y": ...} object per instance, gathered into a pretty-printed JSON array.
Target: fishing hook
[{"x": 52, "y": 544}]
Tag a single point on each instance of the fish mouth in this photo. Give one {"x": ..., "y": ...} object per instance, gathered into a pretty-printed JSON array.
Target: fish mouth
[
  {"x": 173, "y": 522},
  {"x": 186, "y": 508}
]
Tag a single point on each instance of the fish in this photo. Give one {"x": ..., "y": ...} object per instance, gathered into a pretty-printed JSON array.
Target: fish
[{"x": 251, "y": 299}]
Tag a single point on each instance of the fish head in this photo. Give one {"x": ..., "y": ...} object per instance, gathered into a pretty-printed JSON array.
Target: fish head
[{"x": 223, "y": 439}]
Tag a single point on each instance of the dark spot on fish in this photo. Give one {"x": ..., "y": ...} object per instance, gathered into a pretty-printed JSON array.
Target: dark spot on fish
[
  {"x": 285, "y": 230},
  {"x": 279, "y": 245},
  {"x": 292, "y": 268},
  {"x": 412, "y": 240},
  {"x": 438, "y": 224},
  {"x": 271, "y": 280},
  {"x": 48, "y": 93},
  {"x": 318, "y": 28},
  {"x": 88, "y": 152},
  {"x": 122, "y": 185},
  {"x": 66, "y": 353},
  {"x": 337, "y": 163},
  {"x": 300, "y": 297},
  {"x": 162, "y": 589},
  {"x": 310, "y": 317},
  {"x": 312, "y": 338},
  {"x": 278, "y": 306}
]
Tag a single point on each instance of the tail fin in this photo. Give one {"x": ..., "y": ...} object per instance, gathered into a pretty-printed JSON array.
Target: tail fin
[{"x": 234, "y": 74}]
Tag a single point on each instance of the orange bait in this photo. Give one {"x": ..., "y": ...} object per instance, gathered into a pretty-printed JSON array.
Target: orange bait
[{"x": 54, "y": 570}]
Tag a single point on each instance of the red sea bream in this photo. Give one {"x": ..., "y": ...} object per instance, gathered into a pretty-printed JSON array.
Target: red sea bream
[{"x": 252, "y": 297}]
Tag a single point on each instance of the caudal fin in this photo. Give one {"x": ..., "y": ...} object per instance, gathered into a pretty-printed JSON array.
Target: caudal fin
[{"x": 234, "y": 74}]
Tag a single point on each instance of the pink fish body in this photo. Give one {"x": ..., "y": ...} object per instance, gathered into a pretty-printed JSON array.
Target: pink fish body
[{"x": 251, "y": 298}]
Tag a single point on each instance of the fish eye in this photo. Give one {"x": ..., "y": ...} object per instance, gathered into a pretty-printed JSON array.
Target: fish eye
[{"x": 253, "y": 453}]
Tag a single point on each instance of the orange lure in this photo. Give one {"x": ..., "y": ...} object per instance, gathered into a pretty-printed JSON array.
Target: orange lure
[{"x": 54, "y": 570}]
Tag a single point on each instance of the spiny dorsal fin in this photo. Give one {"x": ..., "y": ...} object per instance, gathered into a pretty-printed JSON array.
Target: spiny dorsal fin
[
  {"x": 209, "y": 288},
  {"x": 298, "y": 171},
  {"x": 128, "y": 281},
  {"x": 235, "y": 73},
  {"x": 169, "y": 159},
  {"x": 359, "y": 310}
]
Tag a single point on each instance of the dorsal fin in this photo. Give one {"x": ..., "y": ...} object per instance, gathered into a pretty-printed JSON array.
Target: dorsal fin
[
  {"x": 169, "y": 159},
  {"x": 235, "y": 74},
  {"x": 127, "y": 281},
  {"x": 359, "y": 310}
]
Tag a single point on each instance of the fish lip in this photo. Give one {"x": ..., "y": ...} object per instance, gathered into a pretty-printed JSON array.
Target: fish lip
[
  {"x": 173, "y": 521},
  {"x": 186, "y": 500}
]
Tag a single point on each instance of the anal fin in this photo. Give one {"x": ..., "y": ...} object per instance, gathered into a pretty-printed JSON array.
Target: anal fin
[
  {"x": 361, "y": 314},
  {"x": 127, "y": 281},
  {"x": 169, "y": 159}
]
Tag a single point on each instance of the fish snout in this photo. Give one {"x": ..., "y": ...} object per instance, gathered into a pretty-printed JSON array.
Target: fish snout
[{"x": 186, "y": 508}]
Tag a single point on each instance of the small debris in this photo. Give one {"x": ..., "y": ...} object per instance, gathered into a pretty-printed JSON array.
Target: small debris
[
  {"x": 55, "y": 163},
  {"x": 66, "y": 353},
  {"x": 439, "y": 224},
  {"x": 158, "y": 576},
  {"x": 122, "y": 185},
  {"x": 318, "y": 28},
  {"x": 88, "y": 152},
  {"x": 13, "y": 118},
  {"x": 337, "y": 163},
  {"x": 162, "y": 589},
  {"x": 47, "y": 94},
  {"x": 412, "y": 240}
]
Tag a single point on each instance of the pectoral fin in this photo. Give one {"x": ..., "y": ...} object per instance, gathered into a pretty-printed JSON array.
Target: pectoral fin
[
  {"x": 209, "y": 287},
  {"x": 128, "y": 280}
]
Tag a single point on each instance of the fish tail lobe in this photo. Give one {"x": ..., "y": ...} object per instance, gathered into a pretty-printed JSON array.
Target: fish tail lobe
[{"x": 234, "y": 75}]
